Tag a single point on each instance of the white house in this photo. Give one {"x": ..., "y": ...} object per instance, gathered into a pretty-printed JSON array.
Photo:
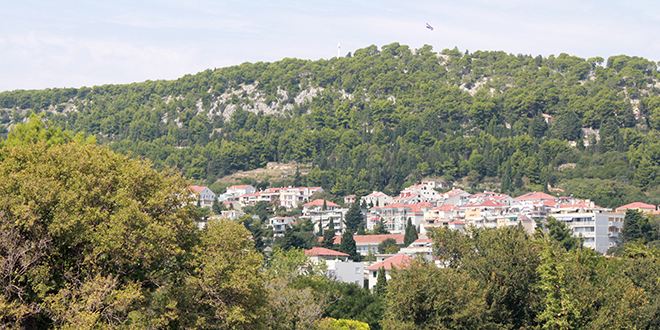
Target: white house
[
  {"x": 400, "y": 261},
  {"x": 339, "y": 267},
  {"x": 234, "y": 192},
  {"x": 205, "y": 197},
  {"x": 280, "y": 224},
  {"x": 377, "y": 198}
]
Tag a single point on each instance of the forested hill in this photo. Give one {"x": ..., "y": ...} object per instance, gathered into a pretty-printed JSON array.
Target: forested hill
[{"x": 383, "y": 118}]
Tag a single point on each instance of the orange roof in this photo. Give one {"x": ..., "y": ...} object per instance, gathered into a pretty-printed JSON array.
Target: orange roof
[
  {"x": 446, "y": 207},
  {"x": 319, "y": 251},
  {"x": 319, "y": 202},
  {"x": 196, "y": 189},
  {"x": 398, "y": 261},
  {"x": 454, "y": 192},
  {"x": 242, "y": 186},
  {"x": 636, "y": 205},
  {"x": 535, "y": 196},
  {"x": 457, "y": 222},
  {"x": 488, "y": 203}
]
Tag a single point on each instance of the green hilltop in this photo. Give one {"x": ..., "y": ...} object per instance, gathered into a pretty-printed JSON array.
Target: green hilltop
[{"x": 382, "y": 118}]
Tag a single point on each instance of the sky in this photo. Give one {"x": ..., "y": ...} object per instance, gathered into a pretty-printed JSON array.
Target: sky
[{"x": 56, "y": 44}]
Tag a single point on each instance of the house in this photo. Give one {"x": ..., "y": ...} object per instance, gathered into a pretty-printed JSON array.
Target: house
[
  {"x": 515, "y": 221},
  {"x": 456, "y": 225},
  {"x": 422, "y": 192},
  {"x": 395, "y": 216},
  {"x": 317, "y": 204},
  {"x": 399, "y": 261},
  {"x": 234, "y": 192},
  {"x": 456, "y": 197},
  {"x": 339, "y": 267},
  {"x": 423, "y": 246},
  {"x": 484, "y": 214},
  {"x": 437, "y": 184},
  {"x": 280, "y": 224},
  {"x": 205, "y": 197},
  {"x": 292, "y": 196},
  {"x": 376, "y": 198},
  {"x": 288, "y": 197},
  {"x": 440, "y": 216},
  {"x": 350, "y": 199},
  {"x": 369, "y": 243},
  {"x": 642, "y": 207}
]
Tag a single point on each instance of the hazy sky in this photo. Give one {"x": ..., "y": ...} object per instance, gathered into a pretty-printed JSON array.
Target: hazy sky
[{"x": 85, "y": 43}]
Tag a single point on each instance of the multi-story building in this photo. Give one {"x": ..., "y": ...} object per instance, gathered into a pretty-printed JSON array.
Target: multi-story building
[
  {"x": 289, "y": 197},
  {"x": 599, "y": 231},
  {"x": 419, "y": 193},
  {"x": 395, "y": 216},
  {"x": 321, "y": 218},
  {"x": 376, "y": 198},
  {"x": 456, "y": 197}
]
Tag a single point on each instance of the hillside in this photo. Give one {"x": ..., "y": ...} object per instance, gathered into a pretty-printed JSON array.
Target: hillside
[{"x": 384, "y": 118}]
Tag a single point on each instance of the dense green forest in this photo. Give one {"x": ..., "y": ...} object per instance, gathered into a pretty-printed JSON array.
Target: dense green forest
[{"x": 380, "y": 119}]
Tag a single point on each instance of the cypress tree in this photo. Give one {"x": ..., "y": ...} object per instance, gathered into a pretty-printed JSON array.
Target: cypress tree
[
  {"x": 353, "y": 218},
  {"x": 329, "y": 236},
  {"x": 348, "y": 246},
  {"x": 381, "y": 282},
  {"x": 411, "y": 233}
]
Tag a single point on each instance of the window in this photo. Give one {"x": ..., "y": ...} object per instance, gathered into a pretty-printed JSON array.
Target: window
[
  {"x": 375, "y": 274},
  {"x": 357, "y": 270}
]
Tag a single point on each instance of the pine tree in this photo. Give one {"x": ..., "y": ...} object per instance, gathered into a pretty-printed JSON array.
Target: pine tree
[
  {"x": 329, "y": 236},
  {"x": 411, "y": 233}
]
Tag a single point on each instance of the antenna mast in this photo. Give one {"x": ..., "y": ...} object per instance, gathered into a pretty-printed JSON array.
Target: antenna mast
[{"x": 338, "y": 50}]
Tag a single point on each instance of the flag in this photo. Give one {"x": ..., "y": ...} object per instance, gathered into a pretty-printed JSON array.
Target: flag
[{"x": 429, "y": 27}]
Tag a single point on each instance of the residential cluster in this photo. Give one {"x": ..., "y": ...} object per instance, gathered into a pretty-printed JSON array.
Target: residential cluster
[{"x": 427, "y": 208}]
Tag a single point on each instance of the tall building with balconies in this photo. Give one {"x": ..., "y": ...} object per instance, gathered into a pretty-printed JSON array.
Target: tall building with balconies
[{"x": 599, "y": 231}]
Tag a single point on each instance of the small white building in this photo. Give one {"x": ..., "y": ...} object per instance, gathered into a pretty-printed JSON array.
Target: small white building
[
  {"x": 280, "y": 224},
  {"x": 339, "y": 267},
  {"x": 234, "y": 192}
]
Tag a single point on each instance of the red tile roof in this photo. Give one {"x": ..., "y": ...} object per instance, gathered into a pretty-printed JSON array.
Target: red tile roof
[
  {"x": 319, "y": 202},
  {"x": 488, "y": 203},
  {"x": 535, "y": 196},
  {"x": 243, "y": 186},
  {"x": 636, "y": 205},
  {"x": 454, "y": 192},
  {"x": 446, "y": 208},
  {"x": 399, "y": 261},
  {"x": 319, "y": 251},
  {"x": 196, "y": 189}
]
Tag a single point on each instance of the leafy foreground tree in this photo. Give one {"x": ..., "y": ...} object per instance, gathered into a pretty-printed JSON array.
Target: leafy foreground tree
[
  {"x": 495, "y": 279},
  {"x": 93, "y": 239}
]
